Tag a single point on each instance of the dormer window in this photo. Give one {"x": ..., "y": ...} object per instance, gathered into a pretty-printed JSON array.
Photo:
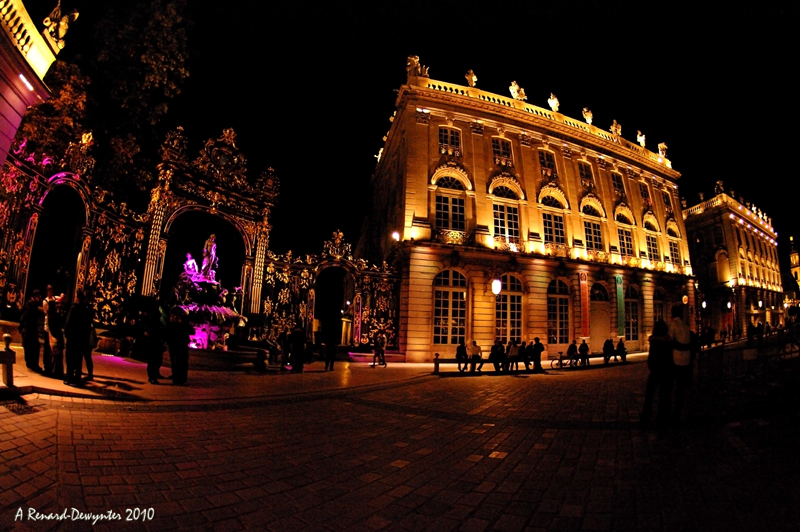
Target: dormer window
[
  {"x": 450, "y": 141},
  {"x": 501, "y": 150}
]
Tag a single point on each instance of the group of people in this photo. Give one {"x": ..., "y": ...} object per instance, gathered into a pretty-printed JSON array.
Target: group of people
[
  {"x": 70, "y": 340},
  {"x": 673, "y": 348},
  {"x": 152, "y": 331},
  {"x": 502, "y": 358}
]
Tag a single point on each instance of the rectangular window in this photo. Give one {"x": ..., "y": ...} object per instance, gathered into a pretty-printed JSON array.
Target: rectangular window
[
  {"x": 652, "y": 247},
  {"x": 625, "y": 242},
  {"x": 585, "y": 171},
  {"x": 644, "y": 191},
  {"x": 450, "y": 141},
  {"x": 553, "y": 229},
  {"x": 450, "y": 213},
  {"x": 667, "y": 199},
  {"x": 450, "y": 317},
  {"x": 558, "y": 320},
  {"x": 548, "y": 164},
  {"x": 506, "y": 222},
  {"x": 674, "y": 254},
  {"x": 594, "y": 239},
  {"x": 508, "y": 318},
  {"x": 619, "y": 187},
  {"x": 631, "y": 320},
  {"x": 501, "y": 149}
]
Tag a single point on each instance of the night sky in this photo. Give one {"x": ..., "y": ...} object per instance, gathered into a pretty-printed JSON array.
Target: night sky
[{"x": 309, "y": 88}]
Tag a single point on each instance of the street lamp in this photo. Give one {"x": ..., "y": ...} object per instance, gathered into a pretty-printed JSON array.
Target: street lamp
[{"x": 497, "y": 285}]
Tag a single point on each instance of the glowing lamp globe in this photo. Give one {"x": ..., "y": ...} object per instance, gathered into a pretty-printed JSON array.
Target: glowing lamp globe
[{"x": 497, "y": 285}]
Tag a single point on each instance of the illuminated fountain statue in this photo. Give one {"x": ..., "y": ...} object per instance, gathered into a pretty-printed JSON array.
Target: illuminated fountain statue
[{"x": 211, "y": 309}]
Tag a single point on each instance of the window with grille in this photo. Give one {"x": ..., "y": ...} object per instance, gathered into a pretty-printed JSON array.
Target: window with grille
[
  {"x": 553, "y": 228},
  {"x": 674, "y": 254},
  {"x": 450, "y": 308},
  {"x": 508, "y": 310},
  {"x": 449, "y": 141},
  {"x": 506, "y": 222},
  {"x": 652, "y": 247},
  {"x": 557, "y": 312},
  {"x": 625, "y": 242},
  {"x": 501, "y": 149},
  {"x": 619, "y": 187},
  {"x": 593, "y": 235},
  {"x": 450, "y": 213}
]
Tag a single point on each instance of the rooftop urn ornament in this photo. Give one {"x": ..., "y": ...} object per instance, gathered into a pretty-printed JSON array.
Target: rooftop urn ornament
[
  {"x": 718, "y": 188},
  {"x": 553, "y": 102},
  {"x": 587, "y": 115},
  {"x": 57, "y": 24},
  {"x": 517, "y": 92},
  {"x": 616, "y": 129},
  {"x": 640, "y": 138},
  {"x": 414, "y": 68},
  {"x": 472, "y": 79},
  {"x": 662, "y": 149}
]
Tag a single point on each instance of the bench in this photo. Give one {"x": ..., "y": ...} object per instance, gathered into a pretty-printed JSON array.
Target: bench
[
  {"x": 437, "y": 361},
  {"x": 7, "y": 359}
]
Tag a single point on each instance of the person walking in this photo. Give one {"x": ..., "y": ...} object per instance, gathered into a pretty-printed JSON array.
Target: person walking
[
  {"x": 29, "y": 329},
  {"x": 583, "y": 350},
  {"x": 659, "y": 362},
  {"x": 681, "y": 358},
  {"x": 76, "y": 331}
]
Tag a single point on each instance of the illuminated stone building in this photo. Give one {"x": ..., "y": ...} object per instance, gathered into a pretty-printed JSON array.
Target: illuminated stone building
[
  {"x": 25, "y": 56},
  {"x": 739, "y": 276},
  {"x": 581, "y": 227}
]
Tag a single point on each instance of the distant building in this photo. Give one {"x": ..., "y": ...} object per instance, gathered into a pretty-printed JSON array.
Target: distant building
[
  {"x": 738, "y": 274},
  {"x": 578, "y": 228},
  {"x": 25, "y": 56}
]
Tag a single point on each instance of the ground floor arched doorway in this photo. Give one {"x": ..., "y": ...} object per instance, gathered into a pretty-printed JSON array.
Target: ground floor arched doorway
[
  {"x": 333, "y": 306},
  {"x": 187, "y": 234},
  {"x": 57, "y": 243}
]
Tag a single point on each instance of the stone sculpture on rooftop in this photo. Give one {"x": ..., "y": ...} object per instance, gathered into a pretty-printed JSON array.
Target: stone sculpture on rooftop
[
  {"x": 472, "y": 79},
  {"x": 553, "y": 102}
]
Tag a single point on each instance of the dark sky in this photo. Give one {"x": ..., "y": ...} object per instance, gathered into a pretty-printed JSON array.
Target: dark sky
[{"x": 309, "y": 87}]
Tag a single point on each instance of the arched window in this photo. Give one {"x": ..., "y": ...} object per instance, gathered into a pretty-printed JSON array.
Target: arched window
[
  {"x": 650, "y": 226},
  {"x": 631, "y": 313},
  {"x": 449, "y": 308},
  {"x": 504, "y": 192},
  {"x": 621, "y": 218},
  {"x": 558, "y": 312},
  {"x": 589, "y": 210},
  {"x": 552, "y": 201},
  {"x": 598, "y": 293},
  {"x": 450, "y": 201},
  {"x": 508, "y": 310}
]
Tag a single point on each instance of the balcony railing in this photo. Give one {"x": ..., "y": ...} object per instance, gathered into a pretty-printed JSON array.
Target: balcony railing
[
  {"x": 449, "y": 236},
  {"x": 507, "y": 243},
  {"x": 20, "y": 29}
]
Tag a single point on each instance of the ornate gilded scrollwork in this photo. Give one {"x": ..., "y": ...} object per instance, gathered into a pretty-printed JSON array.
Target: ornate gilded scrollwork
[{"x": 448, "y": 236}]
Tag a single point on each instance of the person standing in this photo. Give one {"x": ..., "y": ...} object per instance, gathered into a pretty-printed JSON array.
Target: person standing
[
  {"x": 572, "y": 353},
  {"x": 47, "y": 351},
  {"x": 29, "y": 329},
  {"x": 681, "y": 358},
  {"x": 151, "y": 337},
  {"x": 608, "y": 350},
  {"x": 330, "y": 354},
  {"x": 54, "y": 327},
  {"x": 659, "y": 362},
  {"x": 76, "y": 332},
  {"x": 537, "y": 351},
  {"x": 476, "y": 354},
  {"x": 178, "y": 332},
  {"x": 583, "y": 350},
  {"x": 298, "y": 346},
  {"x": 380, "y": 355}
]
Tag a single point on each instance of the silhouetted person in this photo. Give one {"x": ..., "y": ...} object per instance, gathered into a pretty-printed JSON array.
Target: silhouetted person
[
  {"x": 621, "y": 351},
  {"x": 536, "y": 355},
  {"x": 681, "y": 358},
  {"x": 476, "y": 354},
  {"x": 659, "y": 361},
  {"x": 497, "y": 356},
  {"x": 608, "y": 350},
  {"x": 76, "y": 331},
  {"x": 584, "y": 352},
  {"x": 297, "y": 341},
  {"x": 330, "y": 354},
  {"x": 29, "y": 329},
  {"x": 462, "y": 356},
  {"x": 178, "y": 332},
  {"x": 54, "y": 327},
  {"x": 572, "y": 353}
]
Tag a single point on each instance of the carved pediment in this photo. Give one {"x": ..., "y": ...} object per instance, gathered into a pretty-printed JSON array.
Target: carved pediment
[
  {"x": 551, "y": 189},
  {"x": 222, "y": 162},
  {"x": 508, "y": 180}
]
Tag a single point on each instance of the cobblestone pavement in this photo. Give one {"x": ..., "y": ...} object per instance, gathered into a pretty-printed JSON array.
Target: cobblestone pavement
[{"x": 562, "y": 451}]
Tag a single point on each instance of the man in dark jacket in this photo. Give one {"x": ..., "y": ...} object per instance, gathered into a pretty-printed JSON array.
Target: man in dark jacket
[
  {"x": 29, "y": 329},
  {"x": 76, "y": 332}
]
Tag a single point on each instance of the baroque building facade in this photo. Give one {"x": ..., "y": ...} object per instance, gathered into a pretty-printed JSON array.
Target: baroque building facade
[
  {"x": 580, "y": 229},
  {"x": 739, "y": 280}
]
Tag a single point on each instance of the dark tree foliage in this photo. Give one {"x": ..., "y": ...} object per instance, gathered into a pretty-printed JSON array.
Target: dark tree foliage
[
  {"x": 50, "y": 126},
  {"x": 139, "y": 66}
]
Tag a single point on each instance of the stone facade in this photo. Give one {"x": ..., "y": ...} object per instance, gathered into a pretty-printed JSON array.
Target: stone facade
[
  {"x": 739, "y": 278},
  {"x": 582, "y": 228}
]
